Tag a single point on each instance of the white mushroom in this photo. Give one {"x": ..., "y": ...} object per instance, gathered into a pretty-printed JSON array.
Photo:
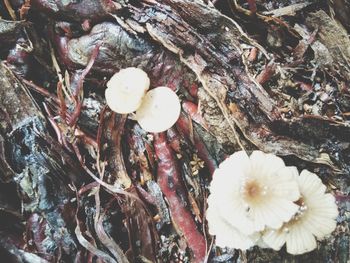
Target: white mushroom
[
  {"x": 159, "y": 110},
  {"x": 260, "y": 190},
  {"x": 126, "y": 89},
  {"x": 247, "y": 194},
  {"x": 257, "y": 200},
  {"x": 315, "y": 218},
  {"x": 227, "y": 235}
]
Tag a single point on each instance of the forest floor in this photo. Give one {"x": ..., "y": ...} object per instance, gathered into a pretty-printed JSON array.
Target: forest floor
[{"x": 81, "y": 183}]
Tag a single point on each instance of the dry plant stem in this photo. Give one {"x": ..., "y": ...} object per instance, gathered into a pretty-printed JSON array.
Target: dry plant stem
[
  {"x": 98, "y": 224},
  {"x": 63, "y": 106},
  {"x": 104, "y": 238},
  {"x": 86, "y": 71},
  {"x": 100, "y": 128},
  {"x": 79, "y": 89},
  {"x": 53, "y": 124},
  {"x": 59, "y": 72},
  {"x": 170, "y": 182},
  {"x": 98, "y": 140},
  {"x": 85, "y": 243},
  {"x": 107, "y": 241},
  {"x": 190, "y": 129},
  {"x": 113, "y": 189},
  {"x": 77, "y": 152},
  {"x": 64, "y": 117},
  {"x": 87, "y": 188},
  {"x": 194, "y": 207},
  {"x": 40, "y": 90},
  {"x": 60, "y": 137},
  {"x": 98, "y": 219},
  {"x": 207, "y": 248},
  {"x": 113, "y": 131},
  {"x": 266, "y": 19},
  {"x": 210, "y": 248},
  {"x": 10, "y": 10},
  {"x": 85, "y": 138}
]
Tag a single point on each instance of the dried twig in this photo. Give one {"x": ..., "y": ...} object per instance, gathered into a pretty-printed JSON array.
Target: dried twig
[
  {"x": 287, "y": 10},
  {"x": 10, "y": 10},
  {"x": 79, "y": 89}
]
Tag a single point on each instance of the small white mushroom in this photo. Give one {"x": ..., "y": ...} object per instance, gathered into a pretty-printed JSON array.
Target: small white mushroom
[
  {"x": 258, "y": 200},
  {"x": 248, "y": 194},
  {"x": 259, "y": 188},
  {"x": 226, "y": 234},
  {"x": 159, "y": 110},
  {"x": 315, "y": 219},
  {"x": 126, "y": 89}
]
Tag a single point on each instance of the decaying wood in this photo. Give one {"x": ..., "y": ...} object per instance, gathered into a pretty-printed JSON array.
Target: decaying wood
[
  {"x": 39, "y": 166},
  {"x": 9, "y": 31},
  {"x": 16, "y": 110},
  {"x": 335, "y": 38},
  {"x": 216, "y": 60},
  {"x": 93, "y": 10},
  {"x": 197, "y": 51},
  {"x": 288, "y": 10}
]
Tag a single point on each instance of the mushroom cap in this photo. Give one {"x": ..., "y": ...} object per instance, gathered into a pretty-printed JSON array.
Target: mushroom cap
[
  {"x": 159, "y": 110},
  {"x": 126, "y": 89},
  {"x": 259, "y": 188},
  {"x": 315, "y": 219}
]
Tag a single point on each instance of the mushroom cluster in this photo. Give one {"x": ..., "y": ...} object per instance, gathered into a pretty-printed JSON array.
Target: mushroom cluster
[
  {"x": 258, "y": 200},
  {"x": 156, "y": 110}
]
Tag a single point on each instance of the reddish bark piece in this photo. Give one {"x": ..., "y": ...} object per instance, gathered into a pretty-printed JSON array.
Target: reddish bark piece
[
  {"x": 253, "y": 54},
  {"x": 192, "y": 109},
  {"x": 252, "y": 6},
  {"x": 171, "y": 185},
  {"x": 61, "y": 45},
  {"x": 174, "y": 140},
  {"x": 193, "y": 90},
  {"x": 267, "y": 73}
]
